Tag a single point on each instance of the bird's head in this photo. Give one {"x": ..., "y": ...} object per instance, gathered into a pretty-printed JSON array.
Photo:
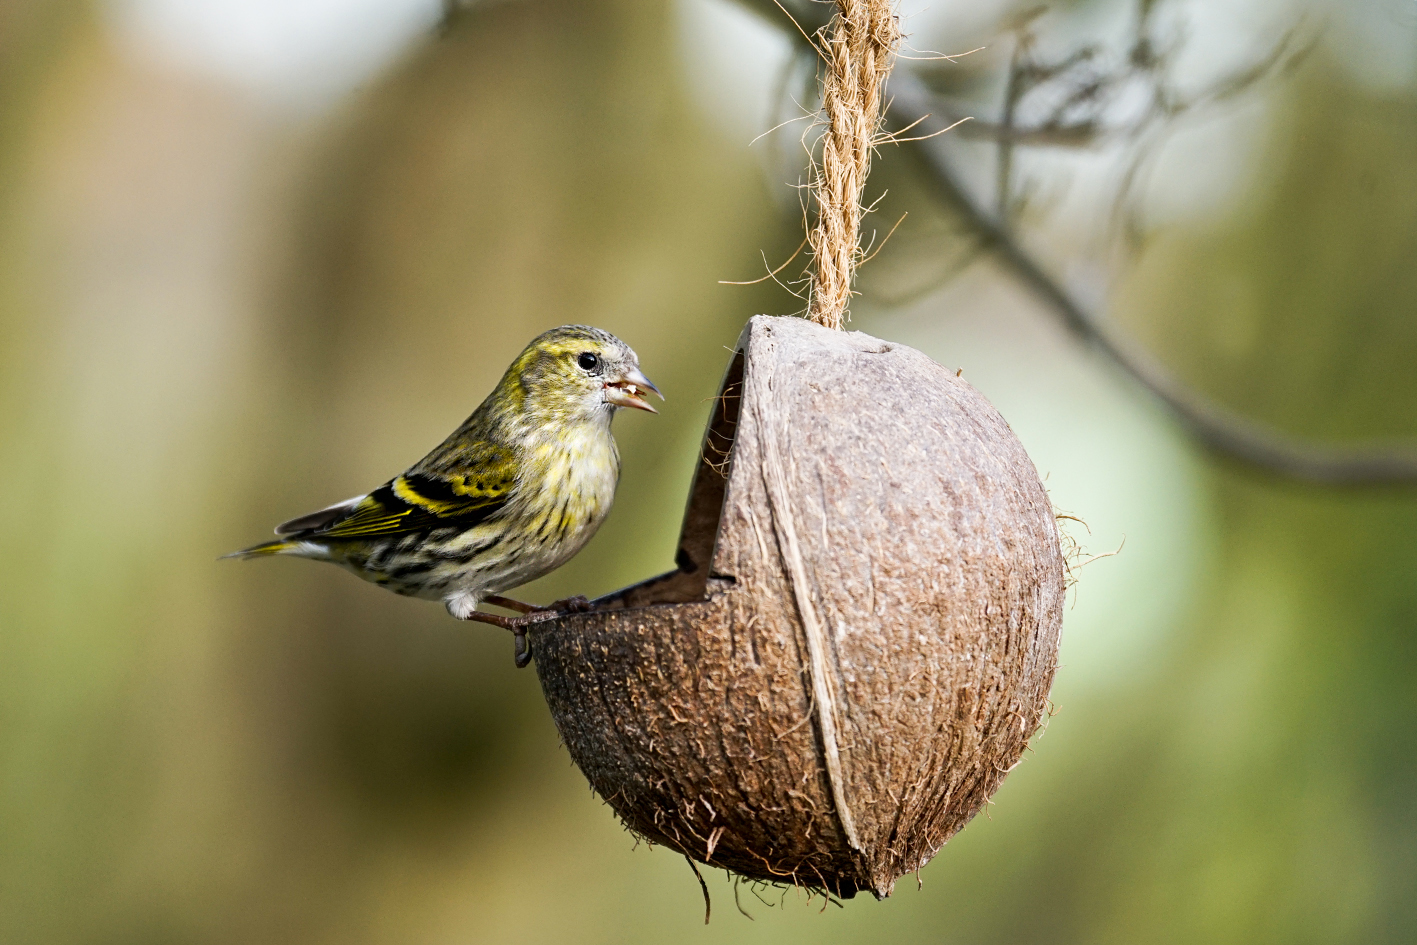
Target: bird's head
[{"x": 577, "y": 372}]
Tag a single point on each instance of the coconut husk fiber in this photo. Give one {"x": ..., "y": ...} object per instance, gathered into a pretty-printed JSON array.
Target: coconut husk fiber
[{"x": 860, "y": 636}]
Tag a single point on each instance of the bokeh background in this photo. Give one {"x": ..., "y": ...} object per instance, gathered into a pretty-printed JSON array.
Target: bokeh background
[{"x": 257, "y": 256}]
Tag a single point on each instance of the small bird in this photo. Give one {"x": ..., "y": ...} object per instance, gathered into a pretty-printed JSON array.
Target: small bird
[{"x": 511, "y": 495}]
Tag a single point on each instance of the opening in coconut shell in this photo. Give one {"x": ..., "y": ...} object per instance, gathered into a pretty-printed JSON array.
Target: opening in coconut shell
[{"x": 859, "y": 639}]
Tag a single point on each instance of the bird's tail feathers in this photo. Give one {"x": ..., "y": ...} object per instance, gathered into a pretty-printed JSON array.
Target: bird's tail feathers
[{"x": 277, "y": 547}]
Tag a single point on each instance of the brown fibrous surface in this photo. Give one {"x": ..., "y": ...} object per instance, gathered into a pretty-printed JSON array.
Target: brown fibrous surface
[{"x": 860, "y": 637}]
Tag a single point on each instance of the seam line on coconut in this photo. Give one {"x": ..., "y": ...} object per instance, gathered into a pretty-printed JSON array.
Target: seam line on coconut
[{"x": 818, "y": 671}]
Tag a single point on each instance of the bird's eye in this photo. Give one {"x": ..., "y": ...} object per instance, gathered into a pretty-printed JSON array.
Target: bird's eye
[{"x": 588, "y": 361}]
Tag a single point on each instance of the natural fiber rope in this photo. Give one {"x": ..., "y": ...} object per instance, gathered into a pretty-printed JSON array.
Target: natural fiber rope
[{"x": 859, "y": 55}]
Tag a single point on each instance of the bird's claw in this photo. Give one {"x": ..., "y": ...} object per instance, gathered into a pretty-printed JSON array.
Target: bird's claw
[
  {"x": 569, "y": 605},
  {"x": 580, "y": 604},
  {"x": 533, "y": 616}
]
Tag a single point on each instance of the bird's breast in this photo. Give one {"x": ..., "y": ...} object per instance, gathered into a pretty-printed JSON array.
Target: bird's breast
[{"x": 575, "y": 478}]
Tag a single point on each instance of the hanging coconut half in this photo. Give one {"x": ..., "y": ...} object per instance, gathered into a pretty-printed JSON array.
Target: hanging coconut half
[{"x": 859, "y": 639}]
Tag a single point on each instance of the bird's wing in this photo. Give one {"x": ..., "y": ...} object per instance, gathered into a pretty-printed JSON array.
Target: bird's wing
[
  {"x": 319, "y": 519},
  {"x": 417, "y": 501}
]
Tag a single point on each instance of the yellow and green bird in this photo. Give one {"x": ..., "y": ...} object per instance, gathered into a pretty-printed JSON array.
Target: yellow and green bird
[{"x": 512, "y": 494}]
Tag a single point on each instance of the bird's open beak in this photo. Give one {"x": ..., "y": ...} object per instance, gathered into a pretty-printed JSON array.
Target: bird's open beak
[{"x": 626, "y": 391}]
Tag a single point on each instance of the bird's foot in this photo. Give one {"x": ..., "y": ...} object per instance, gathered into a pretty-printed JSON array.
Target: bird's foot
[
  {"x": 518, "y": 626},
  {"x": 579, "y": 604},
  {"x": 529, "y": 616}
]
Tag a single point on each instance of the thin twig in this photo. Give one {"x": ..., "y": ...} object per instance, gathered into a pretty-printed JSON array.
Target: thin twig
[{"x": 1217, "y": 427}]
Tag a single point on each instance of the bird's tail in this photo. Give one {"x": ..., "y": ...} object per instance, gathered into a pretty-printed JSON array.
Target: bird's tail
[{"x": 278, "y": 547}]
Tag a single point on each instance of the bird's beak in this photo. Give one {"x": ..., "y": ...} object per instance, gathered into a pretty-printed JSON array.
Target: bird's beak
[{"x": 625, "y": 392}]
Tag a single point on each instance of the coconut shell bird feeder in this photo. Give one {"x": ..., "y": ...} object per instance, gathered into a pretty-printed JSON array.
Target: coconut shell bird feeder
[{"x": 860, "y": 636}]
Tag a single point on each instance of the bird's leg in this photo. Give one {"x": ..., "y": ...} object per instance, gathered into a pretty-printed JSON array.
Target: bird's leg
[
  {"x": 518, "y": 626},
  {"x": 530, "y": 614},
  {"x": 510, "y": 604},
  {"x": 569, "y": 605}
]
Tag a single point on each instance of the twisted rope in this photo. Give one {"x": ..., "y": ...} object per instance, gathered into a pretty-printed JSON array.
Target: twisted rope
[{"x": 859, "y": 54}]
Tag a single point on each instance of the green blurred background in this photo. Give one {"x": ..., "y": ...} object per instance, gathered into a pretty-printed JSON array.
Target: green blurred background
[{"x": 256, "y": 257}]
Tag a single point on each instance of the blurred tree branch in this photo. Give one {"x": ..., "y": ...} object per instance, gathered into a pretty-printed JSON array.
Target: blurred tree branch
[{"x": 1075, "y": 119}]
